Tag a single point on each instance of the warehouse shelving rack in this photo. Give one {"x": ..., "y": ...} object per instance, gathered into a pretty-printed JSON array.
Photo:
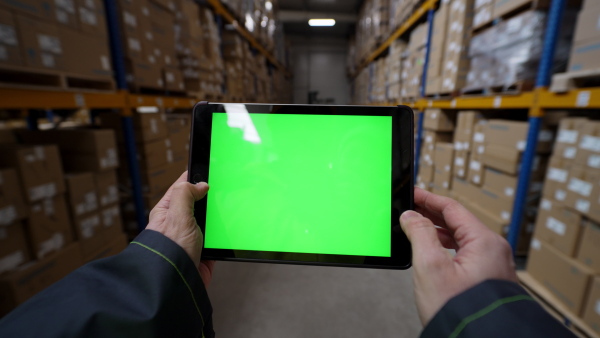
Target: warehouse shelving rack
[
  {"x": 121, "y": 101},
  {"x": 537, "y": 101}
]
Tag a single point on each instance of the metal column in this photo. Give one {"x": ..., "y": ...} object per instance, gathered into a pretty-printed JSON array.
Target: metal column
[
  {"x": 419, "y": 135},
  {"x": 543, "y": 80},
  {"x": 118, "y": 58}
]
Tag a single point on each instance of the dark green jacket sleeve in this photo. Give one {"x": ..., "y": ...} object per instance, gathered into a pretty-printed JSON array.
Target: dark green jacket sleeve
[
  {"x": 151, "y": 289},
  {"x": 494, "y": 308}
]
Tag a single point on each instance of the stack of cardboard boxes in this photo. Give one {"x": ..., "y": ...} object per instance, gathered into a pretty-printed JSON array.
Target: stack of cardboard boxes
[
  {"x": 585, "y": 53},
  {"x": 161, "y": 158},
  {"x": 393, "y": 69},
  {"x": 480, "y": 168},
  {"x": 52, "y": 222},
  {"x": 400, "y": 10},
  {"x": 412, "y": 69},
  {"x": 63, "y": 37},
  {"x": 565, "y": 251}
]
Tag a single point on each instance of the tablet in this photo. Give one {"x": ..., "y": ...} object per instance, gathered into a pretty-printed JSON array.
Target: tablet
[{"x": 304, "y": 184}]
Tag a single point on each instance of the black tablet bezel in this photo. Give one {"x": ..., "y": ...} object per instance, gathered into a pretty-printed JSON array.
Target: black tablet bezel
[{"x": 402, "y": 182}]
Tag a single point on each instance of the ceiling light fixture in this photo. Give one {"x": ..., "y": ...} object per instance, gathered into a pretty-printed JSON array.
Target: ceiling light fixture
[{"x": 321, "y": 22}]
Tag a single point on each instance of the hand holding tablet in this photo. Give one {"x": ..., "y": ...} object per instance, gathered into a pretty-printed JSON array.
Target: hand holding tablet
[{"x": 321, "y": 185}]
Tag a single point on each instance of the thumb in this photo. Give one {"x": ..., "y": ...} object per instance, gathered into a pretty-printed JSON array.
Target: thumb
[
  {"x": 184, "y": 195},
  {"x": 422, "y": 234}
]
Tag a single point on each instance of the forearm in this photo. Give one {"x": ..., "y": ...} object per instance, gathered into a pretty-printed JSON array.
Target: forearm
[
  {"x": 152, "y": 288},
  {"x": 494, "y": 309}
]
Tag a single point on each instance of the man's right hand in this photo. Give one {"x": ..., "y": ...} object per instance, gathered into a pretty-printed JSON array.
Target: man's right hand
[{"x": 438, "y": 276}]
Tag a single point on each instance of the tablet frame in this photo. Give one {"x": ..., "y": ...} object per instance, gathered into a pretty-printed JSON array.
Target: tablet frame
[{"x": 402, "y": 183}]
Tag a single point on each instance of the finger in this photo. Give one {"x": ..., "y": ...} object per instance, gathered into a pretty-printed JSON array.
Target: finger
[
  {"x": 422, "y": 235},
  {"x": 459, "y": 220},
  {"x": 435, "y": 218},
  {"x": 446, "y": 239},
  {"x": 183, "y": 196},
  {"x": 164, "y": 201}
]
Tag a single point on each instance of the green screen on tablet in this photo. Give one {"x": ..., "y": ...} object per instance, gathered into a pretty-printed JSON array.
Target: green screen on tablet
[{"x": 318, "y": 184}]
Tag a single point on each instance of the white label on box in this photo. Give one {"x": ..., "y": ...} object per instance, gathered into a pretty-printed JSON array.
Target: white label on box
[
  {"x": 87, "y": 226},
  {"x": 52, "y": 244},
  {"x": 62, "y": 16},
  {"x": 536, "y": 244},
  {"x": 130, "y": 19},
  {"x": 11, "y": 261},
  {"x": 153, "y": 126},
  {"x": 433, "y": 115},
  {"x": 149, "y": 36},
  {"x": 580, "y": 186},
  {"x": 428, "y": 139},
  {"x": 445, "y": 185},
  {"x": 558, "y": 175},
  {"x": 169, "y": 76},
  {"x": 145, "y": 11},
  {"x": 8, "y": 215},
  {"x": 134, "y": 44},
  {"x": 570, "y": 152},
  {"x": 105, "y": 62},
  {"x": 461, "y": 173},
  {"x": 477, "y": 179},
  {"x": 480, "y": 149},
  {"x": 594, "y": 161},
  {"x": 521, "y": 145},
  {"x": 475, "y": 165},
  {"x": 48, "y": 205},
  {"x": 545, "y": 136},
  {"x": 556, "y": 226},
  {"x": 505, "y": 215},
  {"x": 42, "y": 191},
  {"x": 546, "y": 204},
  {"x": 48, "y": 60},
  {"x": 590, "y": 143},
  {"x": 567, "y": 136},
  {"x": 583, "y": 99},
  {"x": 80, "y": 209},
  {"x": 447, "y": 167},
  {"x": 560, "y": 195},
  {"x": 67, "y": 5},
  {"x": 87, "y": 16},
  {"x": 169, "y": 155},
  {"x": 508, "y": 191},
  {"x": 49, "y": 43},
  {"x": 582, "y": 205},
  {"x": 459, "y": 161},
  {"x": 8, "y": 35}
]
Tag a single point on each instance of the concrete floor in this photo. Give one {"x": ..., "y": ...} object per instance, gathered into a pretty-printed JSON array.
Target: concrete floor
[{"x": 272, "y": 301}]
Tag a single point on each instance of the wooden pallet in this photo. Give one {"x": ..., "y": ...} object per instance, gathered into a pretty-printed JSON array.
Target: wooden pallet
[
  {"x": 564, "y": 82},
  {"x": 27, "y": 78},
  {"x": 443, "y": 96},
  {"x": 555, "y": 307}
]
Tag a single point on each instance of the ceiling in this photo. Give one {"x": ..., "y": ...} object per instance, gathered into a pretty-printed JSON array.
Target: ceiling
[{"x": 305, "y": 8}]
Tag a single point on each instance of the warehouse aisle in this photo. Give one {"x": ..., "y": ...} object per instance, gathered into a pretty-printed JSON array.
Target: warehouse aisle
[{"x": 272, "y": 301}]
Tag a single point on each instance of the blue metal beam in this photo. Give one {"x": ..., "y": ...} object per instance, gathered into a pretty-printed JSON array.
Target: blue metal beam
[
  {"x": 134, "y": 171},
  {"x": 116, "y": 45}
]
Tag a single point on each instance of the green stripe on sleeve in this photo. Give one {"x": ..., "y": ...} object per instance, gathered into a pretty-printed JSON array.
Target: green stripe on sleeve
[
  {"x": 180, "y": 275},
  {"x": 463, "y": 324}
]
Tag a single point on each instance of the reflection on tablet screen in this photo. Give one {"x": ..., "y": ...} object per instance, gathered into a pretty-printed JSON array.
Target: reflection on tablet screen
[{"x": 317, "y": 184}]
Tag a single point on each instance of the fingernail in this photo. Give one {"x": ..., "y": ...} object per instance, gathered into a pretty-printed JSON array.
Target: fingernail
[{"x": 408, "y": 214}]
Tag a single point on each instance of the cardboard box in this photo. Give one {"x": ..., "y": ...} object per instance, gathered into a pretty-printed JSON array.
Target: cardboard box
[
  {"x": 141, "y": 73},
  {"x": 39, "y": 167},
  {"x": 583, "y": 189},
  {"x": 155, "y": 154},
  {"x": 588, "y": 152},
  {"x": 110, "y": 217},
  {"x": 478, "y": 141},
  {"x": 41, "y": 44},
  {"x": 173, "y": 79},
  {"x": 461, "y": 163},
  {"x": 42, "y": 9},
  {"x": 438, "y": 190},
  {"x": 559, "y": 227},
  {"x": 418, "y": 37},
  {"x": 587, "y": 27},
  {"x": 92, "y": 18},
  {"x": 107, "y": 187},
  {"x": 81, "y": 192},
  {"x": 496, "y": 204},
  {"x": 10, "y": 51},
  {"x": 483, "y": 15},
  {"x": 439, "y": 120},
  {"x": 443, "y": 160},
  {"x": 14, "y": 250},
  {"x": 503, "y": 7},
  {"x": 431, "y": 138},
  {"x": 591, "y": 313},
  {"x": 157, "y": 180},
  {"x": 589, "y": 247},
  {"x": 465, "y": 190},
  {"x": 463, "y": 134},
  {"x": 86, "y": 55},
  {"x": 81, "y": 149},
  {"x": 426, "y": 173},
  {"x": 493, "y": 222},
  {"x": 12, "y": 204},
  {"x": 565, "y": 278},
  {"x": 476, "y": 173},
  {"x": 555, "y": 185},
  {"x": 48, "y": 226},
  {"x": 513, "y": 134},
  {"x": 89, "y": 231},
  {"x": 20, "y": 285},
  {"x": 117, "y": 245},
  {"x": 502, "y": 158},
  {"x": 585, "y": 55},
  {"x": 568, "y": 138}
]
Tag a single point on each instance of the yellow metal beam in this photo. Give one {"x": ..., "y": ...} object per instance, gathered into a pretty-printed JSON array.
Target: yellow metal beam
[
  {"x": 224, "y": 12},
  {"x": 521, "y": 101},
  {"x": 135, "y": 100},
  {"x": 575, "y": 99},
  {"x": 408, "y": 24}
]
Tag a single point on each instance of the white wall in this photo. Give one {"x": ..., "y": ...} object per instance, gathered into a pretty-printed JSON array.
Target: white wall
[{"x": 320, "y": 65}]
